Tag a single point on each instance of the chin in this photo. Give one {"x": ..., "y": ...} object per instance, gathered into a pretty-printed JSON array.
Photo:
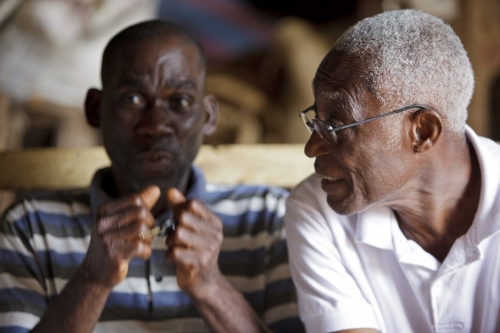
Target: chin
[{"x": 347, "y": 205}]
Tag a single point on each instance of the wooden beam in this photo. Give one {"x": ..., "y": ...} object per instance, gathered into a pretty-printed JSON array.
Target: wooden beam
[{"x": 54, "y": 168}]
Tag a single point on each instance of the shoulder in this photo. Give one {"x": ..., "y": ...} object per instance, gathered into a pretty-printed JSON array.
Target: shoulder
[
  {"x": 245, "y": 197},
  {"x": 217, "y": 192},
  {"x": 247, "y": 209},
  {"x": 43, "y": 207}
]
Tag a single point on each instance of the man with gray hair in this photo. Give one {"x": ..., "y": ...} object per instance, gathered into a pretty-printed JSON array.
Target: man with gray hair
[{"x": 399, "y": 229}]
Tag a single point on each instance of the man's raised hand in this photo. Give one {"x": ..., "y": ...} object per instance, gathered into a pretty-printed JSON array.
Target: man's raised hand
[{"x": 114, "y": 239}]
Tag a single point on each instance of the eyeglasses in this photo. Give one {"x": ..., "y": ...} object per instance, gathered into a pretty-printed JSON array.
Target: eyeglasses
[{"x": 328, "y": 131}]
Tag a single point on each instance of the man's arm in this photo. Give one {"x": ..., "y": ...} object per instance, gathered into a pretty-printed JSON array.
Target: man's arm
[
  {"x": 114, "y": 242},
  {"x": 195, "y": 247}
]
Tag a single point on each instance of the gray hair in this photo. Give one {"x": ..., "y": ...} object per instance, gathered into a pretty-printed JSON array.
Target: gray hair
[{"x": 413, "y": 58}]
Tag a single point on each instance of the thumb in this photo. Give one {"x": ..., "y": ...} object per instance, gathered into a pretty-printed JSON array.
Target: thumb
[
  {"x": 175, "y": 197},
  {"x": 150, "y": 195}
]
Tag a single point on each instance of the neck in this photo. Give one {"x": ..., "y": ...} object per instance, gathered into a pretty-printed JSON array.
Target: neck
[
  {"x": 445, "y": 200},
  {"x": 179, "y": 180}
]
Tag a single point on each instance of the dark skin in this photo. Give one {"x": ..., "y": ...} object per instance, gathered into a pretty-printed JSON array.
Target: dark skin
[
  {"x": 153, "y": 115},
  {"x": 430, "y": 177}
]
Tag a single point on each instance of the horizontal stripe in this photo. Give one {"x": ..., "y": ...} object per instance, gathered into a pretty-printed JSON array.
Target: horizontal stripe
[
  {"x": 280, "y": 312},
  {"x": 253, "y": 204},
  {"x": 70, "y": 259},
  {"x": 275, "y": 294},
  {"x": 47, "y": 208},
  {"x": 47, "y": 242},
  {"x": 283, "y": 287},
  {"x": 146, "y": 314},
  {"x": 9, "y": 281},
  {"x": 11, "y": 243},
  {"x": 246, "y": 242},
  {"x": 13, "y": 329},
  {"x": 173, "y": 325},
  {"x": 23, "y": 295},
  {"x": 243, "y": 256},
  {"x": 280, "y": 272},
  {"x": 289, "y": 325},
  {"x": 9, "y": 258},
  {"x": 57, "y": 225},
  {"x": 217, "y": 192},
  {"x": 14, "y": 319},
  {"x": 127, "y": 300},
  {"x": 171, "y": 299},
  {"x": 167, "y": 283},
  {"x": 256, "y": 283},
  {"x": 61, "y": 244}
]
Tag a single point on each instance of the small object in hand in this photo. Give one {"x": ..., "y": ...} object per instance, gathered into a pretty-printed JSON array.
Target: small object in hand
[{"x": 160, "y": 230}]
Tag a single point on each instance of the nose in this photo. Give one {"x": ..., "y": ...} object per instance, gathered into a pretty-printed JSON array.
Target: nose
[
  {"x": 316, "y": 146},
  {"x": 155, "y": 122}
]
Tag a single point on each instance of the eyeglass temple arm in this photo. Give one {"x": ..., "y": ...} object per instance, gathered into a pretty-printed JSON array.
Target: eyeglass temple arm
[{"x": 415, "y": 106}]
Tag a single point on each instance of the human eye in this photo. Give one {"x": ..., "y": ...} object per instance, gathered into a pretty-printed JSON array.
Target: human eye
[
  {"x": 181, "y": 103},
  {"x": 326, "y": 117},
  {"x": 133, "y": 100}
]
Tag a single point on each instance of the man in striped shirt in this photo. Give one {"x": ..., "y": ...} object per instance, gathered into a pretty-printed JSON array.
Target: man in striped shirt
[{"x": 88, "y": 261}]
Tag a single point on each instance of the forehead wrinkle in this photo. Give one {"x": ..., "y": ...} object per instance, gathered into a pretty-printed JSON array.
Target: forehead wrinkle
[
  {"x": 174, "y": 76},
  {"x": 343, "y": 100}
]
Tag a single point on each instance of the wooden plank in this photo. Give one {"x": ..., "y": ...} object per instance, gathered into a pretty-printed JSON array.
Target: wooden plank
[
  {"x": 282, "y": 165},
  {"x": 54, "y": 168},
  {"x": 49, "y": 169}
]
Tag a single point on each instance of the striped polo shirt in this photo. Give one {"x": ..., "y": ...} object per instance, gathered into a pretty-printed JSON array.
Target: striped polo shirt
[{"x": 44, "y": 239}]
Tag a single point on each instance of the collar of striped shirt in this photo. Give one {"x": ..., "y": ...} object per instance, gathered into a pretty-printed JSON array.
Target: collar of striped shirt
[{"x": 98, "y": 196}]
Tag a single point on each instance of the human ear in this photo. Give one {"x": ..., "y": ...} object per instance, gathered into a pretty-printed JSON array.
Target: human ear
[
  {"x": 93, "y": 107},
  {"x": 211, "y": 114},
  {"x": 426, "y": 130}
]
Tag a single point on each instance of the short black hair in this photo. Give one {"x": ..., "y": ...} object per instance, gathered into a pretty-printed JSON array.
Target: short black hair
[{"x": 148, "y": 31}]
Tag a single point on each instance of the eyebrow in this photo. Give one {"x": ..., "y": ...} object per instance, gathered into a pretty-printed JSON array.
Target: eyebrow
[
  {"x": 132, "y": 81},
  {"x": 176, "y": 83},
  {"x": 336, "y": 97},
  {"x": 341, "y": 100}
]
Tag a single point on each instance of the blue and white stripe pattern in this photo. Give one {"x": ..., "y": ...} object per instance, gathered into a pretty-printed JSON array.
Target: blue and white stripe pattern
[{"x": 44, "y": 239}]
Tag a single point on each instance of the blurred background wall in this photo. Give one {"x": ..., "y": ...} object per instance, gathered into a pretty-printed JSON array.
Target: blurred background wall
[{"x": 262, "y": 59}]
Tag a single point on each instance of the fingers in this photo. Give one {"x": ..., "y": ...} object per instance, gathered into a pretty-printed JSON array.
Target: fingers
[
  {"x": 119, "y": 213},
  {"x": 119, "y": 223},
  {"x": 175, "y": 197},
  {"x": 150, "y": 195},
  {"x": 125, "y": 248},
  {"x": 191, "y": 260},
  {"x": 193, "y": 231},
  {"x": 136, "y": 213},
  {"x": 179, "y": 205}
]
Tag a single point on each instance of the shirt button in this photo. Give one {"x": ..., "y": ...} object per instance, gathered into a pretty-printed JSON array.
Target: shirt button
[{"x": 158, "y": 277}]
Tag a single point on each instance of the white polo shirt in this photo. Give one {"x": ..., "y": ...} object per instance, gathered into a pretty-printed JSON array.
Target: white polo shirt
[{"x": 361, "y": 271}]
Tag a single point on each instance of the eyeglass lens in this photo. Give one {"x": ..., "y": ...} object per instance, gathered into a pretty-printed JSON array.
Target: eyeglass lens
[
  {"x": 324, "y": 131},
  {"x": 321, "y": 127}
]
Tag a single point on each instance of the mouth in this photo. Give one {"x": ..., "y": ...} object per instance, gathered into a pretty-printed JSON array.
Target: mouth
[
  {"x": 333, "y": 185},
  {"x": 328, "y": 179},
  {"x": 330, "y": 185},
  {"x": 154, "y": 156}
]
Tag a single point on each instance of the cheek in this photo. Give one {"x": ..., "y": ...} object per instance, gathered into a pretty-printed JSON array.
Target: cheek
[
  {"x": 369, "y": 174},
  {"x": 190, "y": 133},
  {"x": 381, "y": 176}
]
